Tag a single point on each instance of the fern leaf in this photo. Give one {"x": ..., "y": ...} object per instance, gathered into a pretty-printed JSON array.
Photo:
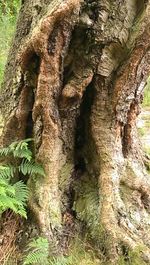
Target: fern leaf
[
  {"x": 21, "y": 192},
  {"x": 5, "y": 151},
  {"x": 2, "y": 191},
  {"x": 8, "y": 203},
  {"x": 13, "y": 197},
  {"x": 23, "y": 153},
  {"x": 36, "y": 257},
  {"x": 30, "y": 168},
  {"x": 22, "y": 150},
  {"x": 18, "y": 149},
  {"x": 7, "y": 172},
  {"x": 22, "y": 212},
  {"x": 39, "y": 243},
  {"x": 38, "y": 252},
  {"x": 3, "y": 182}
]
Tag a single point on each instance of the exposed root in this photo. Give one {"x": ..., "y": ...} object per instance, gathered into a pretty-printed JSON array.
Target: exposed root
[{"x": 126, "y": 222}]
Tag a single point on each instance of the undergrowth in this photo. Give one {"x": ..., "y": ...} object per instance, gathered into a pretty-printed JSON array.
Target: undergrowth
[
  {"x": 79, "y": 253},
  {"x": 14, "y": 194},
  {"x": 8, "y": 16}
]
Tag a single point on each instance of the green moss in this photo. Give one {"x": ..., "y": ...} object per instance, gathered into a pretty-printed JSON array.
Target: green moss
[
  {"x": 132, "y": 258},
  {"x": 80, "y": 253},
  {"x": 86, "y": 203}
]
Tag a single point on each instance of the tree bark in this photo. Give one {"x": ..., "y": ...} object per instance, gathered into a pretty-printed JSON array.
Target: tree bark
[{"x": 74, "y": 82}]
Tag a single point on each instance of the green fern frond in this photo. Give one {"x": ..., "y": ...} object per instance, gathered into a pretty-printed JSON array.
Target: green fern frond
[
  {"x": 22, "y": 150},
  {"x": 36, "y": 257},
  {"x": 30, "y": 168},
  {"x": 38, "y": 252},
  {"x": 7, "y": 202},
  {"x": 5, "y": 151},
  {"x": 3, "y": 182},
  {"x": 22, "y": 212},
  {"x": 21, "y": 192},
  {"x": 39, "y": 243},
  {"x": 18, "y": 149},
  {"x": 23, "y": 153},
  {"x": 7, "y": 171},
  {"x": 18, "y": 145},
  {"x": 13, "y": 197}
]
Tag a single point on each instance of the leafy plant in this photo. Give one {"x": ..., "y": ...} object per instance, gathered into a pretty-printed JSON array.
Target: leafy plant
[
  {"x": 79, "y": 253},
  {"x": 38, "y": 252},
  {"x": 14, "y": 195},
  {"x": 86, "y": 203}
]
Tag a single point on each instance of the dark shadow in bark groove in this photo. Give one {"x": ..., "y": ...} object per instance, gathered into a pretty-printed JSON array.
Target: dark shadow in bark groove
[
  {"x": 82, "y": 124},
  {"x": 85, "y": 177},
  {"x": 32, "y": 77},
  {"x": 29, "y": 126}
]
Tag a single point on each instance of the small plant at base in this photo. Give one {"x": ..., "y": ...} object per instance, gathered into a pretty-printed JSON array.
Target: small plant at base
[
  {"x": 38, "y": 252},
  {"x": 79, "y": 253},
  {"x": 14, "y": 196}
]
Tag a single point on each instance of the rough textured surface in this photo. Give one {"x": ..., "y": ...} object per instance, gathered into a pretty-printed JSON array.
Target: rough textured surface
[{"x": 73, "y": 82}]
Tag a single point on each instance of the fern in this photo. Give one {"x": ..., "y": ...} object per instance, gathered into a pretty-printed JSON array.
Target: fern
[
  {"x": 86, "y": 203},
  {"x": 7, "y": 171},
  {"x": 5, "y": 151},
  {"x": 31, "y": 168},
  {"x": 18, "y": 149},
  {"x": 14, "y": 196},
  {"x": 38, "y": 252},
  {"x": 21, "y": 192}
]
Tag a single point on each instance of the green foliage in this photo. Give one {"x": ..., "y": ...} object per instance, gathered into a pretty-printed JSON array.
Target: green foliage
[
  {"x": 18, "y": 149},
  {"x": 146, "y": 100},
  {"x": 38, "y": 252},
  {"x": 141, "y": 131},
  {"x": 9, "y": 7},
  {"x": 31, "y": 168},
  {"x": 87, "y": 203},
  {"x": 133, "y": 258},
  {"x": 80, "y": 253},
  {"x": 8, "y": 15},
  {"x": 14, "y": 195}
]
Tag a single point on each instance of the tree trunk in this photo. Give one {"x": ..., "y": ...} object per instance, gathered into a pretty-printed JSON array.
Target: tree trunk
[{"x": 74, "y": 82}]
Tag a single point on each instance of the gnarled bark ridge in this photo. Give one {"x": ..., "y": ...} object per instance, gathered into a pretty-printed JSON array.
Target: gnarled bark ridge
[{"x": 74, "y": 82}]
